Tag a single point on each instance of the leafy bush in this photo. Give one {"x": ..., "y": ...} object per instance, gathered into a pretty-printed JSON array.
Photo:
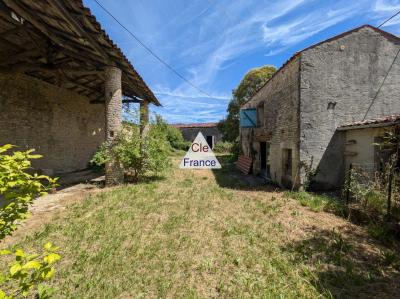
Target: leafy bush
[
  {"x": 27, "y": 274},
  {"x": 223, "y": 147},
  {"x": 173, "y": 135},
  {"x": 18, "y": 188},
  {"x": 100, "y": 157},
  {"x": 137, "y": 155}
]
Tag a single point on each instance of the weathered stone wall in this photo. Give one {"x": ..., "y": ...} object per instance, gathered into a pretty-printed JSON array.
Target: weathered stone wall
[
  {"x": 339, "y": 80},
  {"x": 189, "y": 134},
  {"x": 60, "y": 124},
  {"x": 280, "y": 127}
]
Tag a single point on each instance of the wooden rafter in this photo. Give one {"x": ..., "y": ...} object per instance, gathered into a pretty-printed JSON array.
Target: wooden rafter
[{"x": 60, "y": 40}]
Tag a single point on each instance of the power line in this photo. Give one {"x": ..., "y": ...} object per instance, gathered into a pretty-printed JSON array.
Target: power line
[
  {"x": 388, "y": 71},
  {"x": 152, "y": 52},
  {"x": 383, "y": 82},
  {"x": 387, "y": 20}
]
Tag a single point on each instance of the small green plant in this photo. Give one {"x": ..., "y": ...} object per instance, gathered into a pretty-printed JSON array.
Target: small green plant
[
  {"x": 315, "y": 202},
  {"x": 18, "y": 187},
  {"x": 381, "y": 232},
  {"x": 310, "y": 173},
  {"x": 100, "y": 157},
  {"x": 27, "y": 274},
  {"x": 390, "y": 258},
  {"x": 223, "y": 147}
]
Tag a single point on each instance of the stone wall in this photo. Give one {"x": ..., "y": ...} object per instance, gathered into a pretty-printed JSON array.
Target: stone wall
[
  {"x": 60, "y": 124},
  {"x": 280, "y": 127},
  {"x": 339, "y": 80},
  {"x": 189, "y": 134}
]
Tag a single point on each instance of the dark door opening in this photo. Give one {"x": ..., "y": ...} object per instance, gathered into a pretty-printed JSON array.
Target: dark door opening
[
  {"x": 264, "y": 155},
  {"x": 209, "y": 140}
]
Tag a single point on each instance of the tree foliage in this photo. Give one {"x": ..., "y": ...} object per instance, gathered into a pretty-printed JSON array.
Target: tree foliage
[
  {"x": 18, "y": 187},
  {"x": 28, "y": 273},
  {"x": 247, "y": 88},
  {"x": 173, "y": 135}
]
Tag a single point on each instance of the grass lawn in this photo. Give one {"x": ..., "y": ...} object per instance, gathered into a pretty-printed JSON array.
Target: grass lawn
[{"x": 197, "y": 234}]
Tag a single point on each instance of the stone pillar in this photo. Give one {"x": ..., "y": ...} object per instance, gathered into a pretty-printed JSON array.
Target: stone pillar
[
  {"x": 144, "y": 117},
  {"x": 113, "y": 102}
]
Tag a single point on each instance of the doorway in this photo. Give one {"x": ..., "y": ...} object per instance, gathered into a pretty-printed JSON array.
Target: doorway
[
  {"x": 264, "y": 160},
  {"x": 210, "y": 140}
]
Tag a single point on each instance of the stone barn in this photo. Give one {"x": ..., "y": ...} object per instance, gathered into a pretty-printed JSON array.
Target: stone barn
[
  {"x": 63, "y": 82},
  {"x": 289, "y": 128},
  {"x": 210, "y": 132}
]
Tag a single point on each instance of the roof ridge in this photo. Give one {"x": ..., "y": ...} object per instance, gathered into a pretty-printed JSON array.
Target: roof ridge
[{"x": 340, "y": 35}]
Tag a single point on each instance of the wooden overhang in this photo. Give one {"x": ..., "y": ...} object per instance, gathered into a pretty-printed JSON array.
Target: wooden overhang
[{"x": 61, "y": 42}]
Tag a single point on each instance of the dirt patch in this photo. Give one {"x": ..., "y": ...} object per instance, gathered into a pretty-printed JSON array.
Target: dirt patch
[{"x": 48, "y": 207}]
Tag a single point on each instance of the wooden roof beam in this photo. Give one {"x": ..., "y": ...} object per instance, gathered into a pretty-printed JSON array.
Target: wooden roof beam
[
  {"x": 78, "y": 27},
  {"x": 21, "y": 10}
]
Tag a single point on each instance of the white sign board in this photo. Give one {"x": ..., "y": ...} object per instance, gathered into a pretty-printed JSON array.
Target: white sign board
[{"x": 200, "y": 155}]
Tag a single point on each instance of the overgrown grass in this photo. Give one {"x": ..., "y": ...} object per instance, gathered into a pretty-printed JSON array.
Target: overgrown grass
[
  {"x": 187, "y": 236},
  {"x": 316, "y": 202},
  {"x": 184, "y": 237}
]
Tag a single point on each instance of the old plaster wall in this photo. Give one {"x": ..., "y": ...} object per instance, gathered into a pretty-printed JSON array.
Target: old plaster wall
[
  {"x": 189, "y": 134},
  {"x": 339, "y": 80},
  {"x": 280, "y": 126},
  {"x": 61, "y": 125},
  {"x": 360, "y": 148}
]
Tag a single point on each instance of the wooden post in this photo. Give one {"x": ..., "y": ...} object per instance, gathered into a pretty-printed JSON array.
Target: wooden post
[
  {"x": 144, "y": 118},
  {"x": 349, "y": 178},
  {"x": 389, "y": 193},
  {"x": 113, "y": 102}
]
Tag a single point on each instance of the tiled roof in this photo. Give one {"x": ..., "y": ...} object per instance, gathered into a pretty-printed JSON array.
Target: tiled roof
[
  {"x": 385, "y": 120},
  {"x": 195, "y": 125}
]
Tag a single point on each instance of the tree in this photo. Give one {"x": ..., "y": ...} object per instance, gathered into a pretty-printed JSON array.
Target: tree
[{"x": 247, "y": 88}]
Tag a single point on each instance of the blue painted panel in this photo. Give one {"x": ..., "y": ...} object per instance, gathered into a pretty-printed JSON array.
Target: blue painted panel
[{"x": 248, "y": 118}]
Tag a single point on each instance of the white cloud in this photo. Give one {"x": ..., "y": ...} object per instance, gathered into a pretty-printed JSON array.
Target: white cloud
[
  {"x": 384, "y": 9},
  {"x": 280, "y": 37},
  {"x": 204, "y": 39}
]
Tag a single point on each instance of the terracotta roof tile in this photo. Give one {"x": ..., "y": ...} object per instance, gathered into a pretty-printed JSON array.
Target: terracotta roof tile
[
  {"x": 195, "y": 125},
  {"x": 389, "y": 119}
]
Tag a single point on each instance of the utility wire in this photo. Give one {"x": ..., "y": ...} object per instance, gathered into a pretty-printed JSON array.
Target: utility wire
[
  {"x": 380, "y": 87},
  {"x": 388, "y": 71},
  {"x": 387, "y": 20},
  {"x": 152, "y": 52}
]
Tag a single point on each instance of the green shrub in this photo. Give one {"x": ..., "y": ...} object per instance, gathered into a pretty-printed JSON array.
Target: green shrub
[
  {"x": 137, "y": 155},
  {"x": 100, "y": 157},
  {"x": 223, "y": 147},
  {"x": 173, "y": 135},
  {"x": 27, "y": 274},
  {"x": 18, "y": 188}
]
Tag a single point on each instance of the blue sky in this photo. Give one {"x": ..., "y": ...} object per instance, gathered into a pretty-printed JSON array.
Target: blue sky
[{"x": 213, "y": 43}]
